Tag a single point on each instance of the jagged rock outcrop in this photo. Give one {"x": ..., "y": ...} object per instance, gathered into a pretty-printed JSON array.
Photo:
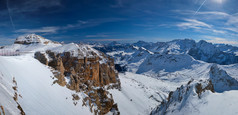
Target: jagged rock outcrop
[{"x": 182, "y": 96}]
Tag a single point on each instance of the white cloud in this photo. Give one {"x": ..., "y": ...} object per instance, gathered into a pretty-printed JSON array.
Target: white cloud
[
  {"x": 219, "y": 1},
  {"x": 39, "y": 30},
  {"x": 219, "y": 40},
  {"x": 199, "y": 26},
  {"x": 233, "y": 19},
  {"x": 218, "y": 31},
  {"x": 232, "y": 29},
  {"x": 194, "y": 24},
  {"x": 79, "y": 25},
  {"x": 216, "y": 13},
  {"x": 213, "y": 13},
  {"x": 212, "y": 21}
]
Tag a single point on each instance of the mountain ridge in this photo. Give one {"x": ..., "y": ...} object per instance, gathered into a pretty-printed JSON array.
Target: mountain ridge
[{"x": 202, "y": 50}]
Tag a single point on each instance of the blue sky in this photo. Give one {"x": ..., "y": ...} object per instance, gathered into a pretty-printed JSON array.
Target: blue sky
[{"x": 120, "y": 20}]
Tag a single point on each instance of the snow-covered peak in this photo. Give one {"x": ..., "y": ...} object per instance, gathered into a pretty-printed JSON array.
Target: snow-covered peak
[
  {"x": 185, "y": 99},
  {"x": 114, "y": 43},
  {"x": 29, "y": 44},
  {"x": 142, "y": 43},
  {"x": 221, "y": 80},
  {"x": 182, "y": 41},
  {"x": 32, "y": 39}
]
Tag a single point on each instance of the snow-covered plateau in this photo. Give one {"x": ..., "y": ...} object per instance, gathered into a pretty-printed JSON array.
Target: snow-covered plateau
[{"x": 179, "y": 77}]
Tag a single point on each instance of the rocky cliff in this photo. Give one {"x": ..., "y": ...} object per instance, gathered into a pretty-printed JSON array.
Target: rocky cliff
[
  {"x": 80, "y": 70},
  {"x": 85, "y": 75}
]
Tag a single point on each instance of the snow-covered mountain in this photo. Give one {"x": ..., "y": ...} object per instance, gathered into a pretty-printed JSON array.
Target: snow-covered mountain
[
  {"x": 202, "y": 50},
  {"x": 203, "y": 66},
  {"x": 181, "y": 77}
]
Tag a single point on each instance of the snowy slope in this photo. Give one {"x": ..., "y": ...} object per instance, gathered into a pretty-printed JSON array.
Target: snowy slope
[
  {"x": 166, "y": 62},
  {"x": 35, "y": 85},
  {"x": 34, "y": 80},
  {"x": 140, "y": 94},
  {"x": 186, "y": 101},
  {"x": 7, "y": 94}
]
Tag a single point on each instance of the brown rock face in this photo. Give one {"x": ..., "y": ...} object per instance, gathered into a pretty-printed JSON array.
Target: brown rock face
[
  {"x": 85, "y": 75},
  {"x": 41, "y": 57},
  {"x": 80, "y": 70},
  {"x": 200, "y": 89},
  {"x": 102, "y": 99},
  {"x": 57, "y": 64},
  {"x": 2, "y": 109}
]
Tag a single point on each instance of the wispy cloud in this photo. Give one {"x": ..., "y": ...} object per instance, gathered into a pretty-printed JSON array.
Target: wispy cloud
[
  {"x": 233, "y": 29},
  {"x": 212, "y": 16},
  {"x": 79, "y": 25},
  {"x": 39, "y": 30},
  {"x": 209, "y": 21},
  {"x": 97, "y": 36},
  {"x": 219, "y": 40},
  {"x": 219, "y": 1},
  {"x": 193, "y": 24},
  {"x": 213, "y": 13},
  {"x": 199, "y": 26},
  {"x": 91, "y": 23},
  {"x": 233, "y": 19},
  {"x": 190, "y": 12},
  {"x": 218, "y": 31},
  {"x": 103, "y": 40},
  {"x": 24, "y": 6}
]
